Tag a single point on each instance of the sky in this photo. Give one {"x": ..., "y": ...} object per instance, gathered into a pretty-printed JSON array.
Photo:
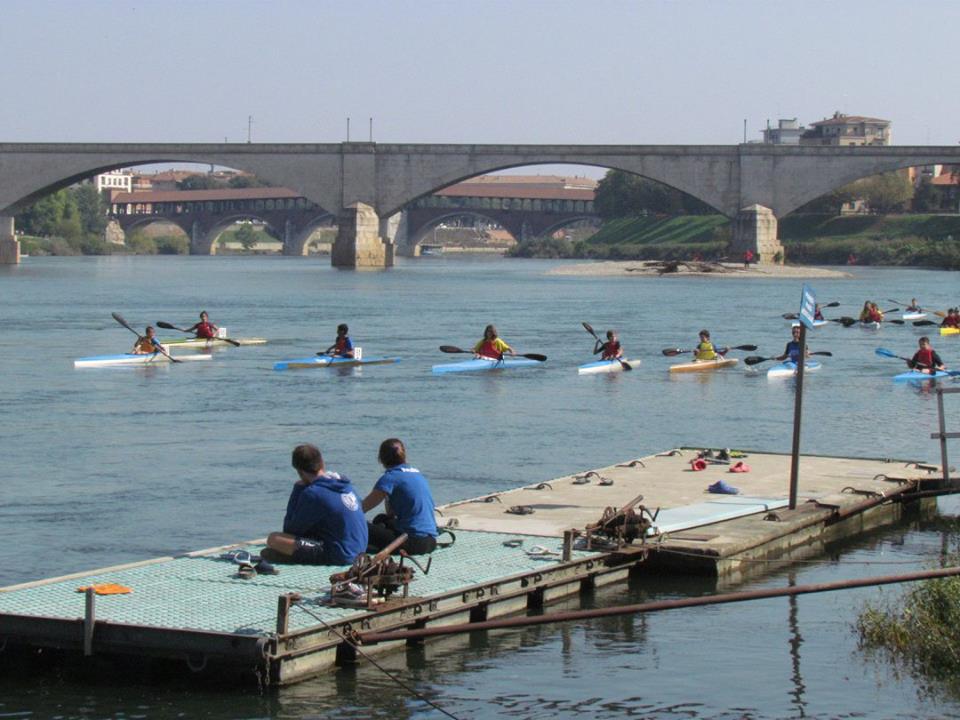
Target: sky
[{"x": 472, "y": 71}]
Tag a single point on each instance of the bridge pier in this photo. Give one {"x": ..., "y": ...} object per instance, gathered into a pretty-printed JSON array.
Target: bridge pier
[
  {"x": 9, "y": 245},
  {"x": 755, "y": 228},
  {"x": 358, "y": 244}
]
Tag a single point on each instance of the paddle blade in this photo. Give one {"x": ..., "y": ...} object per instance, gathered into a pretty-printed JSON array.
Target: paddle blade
[
  {"x": 833, "y": 304},
  {"x": 451, "y": 349},
  {"x": 824, "y": 353},
  {"x": 627, "y": 367},
  {"x": 232, "y": 342},
  {"x": 670, "y": 352},
  {"x": 119, "y": 318},
  {"x": 535, "y": 356},
  {"x": 754, "y": 359},
  {"x": 789, "y": 316},
  {"x": 165, "y": 325},
  {"x": 589, "y": 329},
  {"x": 883, "y": 352},
  {"x": 895, "y": 322},
  {"x": 923, "y": 323},
  {"x": 748, "y": 348},
  {"x": 847, "y": 321}
]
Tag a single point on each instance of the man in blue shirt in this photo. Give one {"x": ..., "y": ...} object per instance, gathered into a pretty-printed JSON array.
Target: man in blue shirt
[
  {"x": 410, "y": 505},
  {"x": 324, "y": 524}
]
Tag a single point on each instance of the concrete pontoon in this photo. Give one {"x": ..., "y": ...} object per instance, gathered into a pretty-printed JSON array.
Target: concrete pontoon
[{"x": 514, "y": 551}]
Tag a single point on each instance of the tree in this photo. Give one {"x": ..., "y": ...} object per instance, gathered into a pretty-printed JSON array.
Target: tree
[
  {"x": 200, "y": 182},
  {"x": 247, "y": 181},
  {"x": 623, "y": 194},
  {"x": 246, "y": 236},
  {"x": 886, "y": 193},
  {"x": 91, "y": 208}
]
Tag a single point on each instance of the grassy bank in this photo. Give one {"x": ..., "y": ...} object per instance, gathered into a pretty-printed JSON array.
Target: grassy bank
[{"x": 924, "y": 240}]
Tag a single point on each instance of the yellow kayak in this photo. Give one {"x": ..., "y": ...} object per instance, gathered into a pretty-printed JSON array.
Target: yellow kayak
[
  {"x": 949, "y": 331},
  {"x": 704, "y": 365}
]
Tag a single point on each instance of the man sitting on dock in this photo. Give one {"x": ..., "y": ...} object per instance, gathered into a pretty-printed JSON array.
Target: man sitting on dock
[{"x": 324, "y": 524}]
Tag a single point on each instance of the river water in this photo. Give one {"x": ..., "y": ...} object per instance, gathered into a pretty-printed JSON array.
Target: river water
[{"x": 112, "y": 465}]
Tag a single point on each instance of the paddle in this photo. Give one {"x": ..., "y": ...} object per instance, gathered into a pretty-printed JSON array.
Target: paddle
[
  {"x": 670, "y": 352},
  {"x": 924, "y": 323},
  {"x": 625, "y": 365},
  {"x": 845, "y": 321},
  {"x": 794, "y": 316},
  {"x": 168, "y": 326},
  {"x": 883, "y": 352},
  {"x": 119, "y": 319},
  {"x": 455, "y": 349},
  {"x": 754, "y": 359},
  {"x": 921, "y": 309}
]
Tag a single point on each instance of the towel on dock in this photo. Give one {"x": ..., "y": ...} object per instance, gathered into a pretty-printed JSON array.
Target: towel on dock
[{"x": 106, "y": 589}]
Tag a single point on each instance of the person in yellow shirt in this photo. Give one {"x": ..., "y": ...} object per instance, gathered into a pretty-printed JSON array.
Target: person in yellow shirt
[
  {"x": 705, "y": 349},
  {"x": 148, "y": 343},
  {"x": 491, "y": 347}
]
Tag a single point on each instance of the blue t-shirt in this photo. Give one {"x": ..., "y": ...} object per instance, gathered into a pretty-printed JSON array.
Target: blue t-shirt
[
  {"x": 410, "y": 500},
  {"x": 792, "y": 351},
  {"x": 328, "y": 509}
]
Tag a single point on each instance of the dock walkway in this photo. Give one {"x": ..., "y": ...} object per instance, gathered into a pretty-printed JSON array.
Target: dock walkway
[{"x": 194, "y": 607}]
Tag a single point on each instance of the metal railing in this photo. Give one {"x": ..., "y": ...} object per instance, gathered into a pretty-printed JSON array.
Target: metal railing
[{"x": 943, "y": 435}]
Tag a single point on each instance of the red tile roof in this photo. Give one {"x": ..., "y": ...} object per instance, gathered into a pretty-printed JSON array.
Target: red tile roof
[{"x": 179, "y": 196}]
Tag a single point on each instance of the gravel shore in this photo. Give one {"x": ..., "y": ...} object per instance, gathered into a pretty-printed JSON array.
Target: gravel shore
[{"x": 639, "y": 268}]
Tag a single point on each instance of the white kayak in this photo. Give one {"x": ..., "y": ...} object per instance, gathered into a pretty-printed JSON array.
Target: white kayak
[
  {"x": 607, "y": 366},
  {"x": 132, "y": 359},
  {"x": 207, "y": 343},
  {"x": 704, "y": 365},
  {"x": 816, "y": 323},
  {"x": 866, "y": 325},
  {"x": 913, "y": 315},
  {"x": 789, "y": 369},
  {"x": 486, "y": 365},
  {"x": 336, "y": 362}
]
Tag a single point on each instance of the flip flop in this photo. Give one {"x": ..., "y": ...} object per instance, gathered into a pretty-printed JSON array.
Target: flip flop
[{"x": 519, "y": 510}]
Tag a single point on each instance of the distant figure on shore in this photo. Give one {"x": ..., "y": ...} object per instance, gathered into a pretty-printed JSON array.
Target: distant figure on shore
[
  {"x": 324, "y": 523},
  {"x": 851, "y": 259},
  {"x": 747, "y": 259}
]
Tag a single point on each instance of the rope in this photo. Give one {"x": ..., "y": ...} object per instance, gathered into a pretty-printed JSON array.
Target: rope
[{"x": 413, "y": 691}]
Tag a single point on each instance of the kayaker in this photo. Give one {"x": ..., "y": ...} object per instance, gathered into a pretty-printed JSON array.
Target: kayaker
[
  {"x": 409, "y": 504},
  {"x": 914, "y": 306},
  {"x": 610, "y": 349},
  {"x": 952, "y": 320},
  {"x": 491, "y": 347},
  {"x": 148, "y": 344},
  {"x": 792, "y": 350},
  {"x": 871, "y": 313},
  {"x": 324, "y": 523},
  {"x": 925, "y": 359},
  {"x": 705, "y": 349},
  {"x": 817, "y": 313},
  {"x": 204, "y": 329},
  {"x": 343, "y": 346}
]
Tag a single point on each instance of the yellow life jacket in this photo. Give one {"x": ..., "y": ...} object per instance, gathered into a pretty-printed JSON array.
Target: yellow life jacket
[{"x": 705, "y": 351}]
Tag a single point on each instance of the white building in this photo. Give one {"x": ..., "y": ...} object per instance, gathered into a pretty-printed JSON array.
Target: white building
[
  {"x": 787, "y": 132},
  {"x": 121, "y": 180}
]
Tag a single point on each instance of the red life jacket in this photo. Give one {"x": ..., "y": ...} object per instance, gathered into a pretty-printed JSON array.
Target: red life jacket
[
  {"x": 610, "y": 349},
  {"x": 489, "y": 350},
  {"x": 206, "y": 330},
  {"x": 924, "y": 357}
]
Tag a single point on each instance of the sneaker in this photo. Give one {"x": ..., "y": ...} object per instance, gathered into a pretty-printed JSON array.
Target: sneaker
[{"x": 723, "y": 454}]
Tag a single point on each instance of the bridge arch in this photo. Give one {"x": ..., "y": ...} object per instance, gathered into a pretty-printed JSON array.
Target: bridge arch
[
  {"x": 295, "y": 243},
  {"x": 567, "y": 222},
  {"x": 417, "y": 235},
  {"x": 203, "y": 241}
]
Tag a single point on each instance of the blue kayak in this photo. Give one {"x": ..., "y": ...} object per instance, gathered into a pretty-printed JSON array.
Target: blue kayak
[
  {"x": 916, "y": 376},
  {"x": 789, "y": 368},
  {"x": 484, "y": 365},
  {"x": 325, "y": 362}
]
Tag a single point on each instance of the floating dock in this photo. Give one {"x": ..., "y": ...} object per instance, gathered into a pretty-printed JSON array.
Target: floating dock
[{"x": 515, "y": 551}]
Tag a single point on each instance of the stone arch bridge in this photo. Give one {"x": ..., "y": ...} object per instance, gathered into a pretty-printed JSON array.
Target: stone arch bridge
[{"x": 366, "y": 183}]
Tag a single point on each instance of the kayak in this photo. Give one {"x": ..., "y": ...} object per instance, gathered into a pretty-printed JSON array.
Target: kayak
[
  {"x": 131, "y": 359},
  {"x": 949, "y": 331},
  {"x": 607, "y": 366},
  {"x": 915, "y": 376},
  {"x": 325, "y": 362},
  {"x": 816, "y": 323},
  {"x": 869, "y": 325},
  {"x": 789, "y": 369},
  {"x": 704, "y": 365},
  {"x": 207, "y": 343},
  {"x": 483, "y": 365},
  {"x": 915, "y": 315}
]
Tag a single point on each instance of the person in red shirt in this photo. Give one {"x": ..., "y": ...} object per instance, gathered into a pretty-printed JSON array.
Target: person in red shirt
[
  {"x": 343, "y": 345},
  {"x": 747, "y": 259},
  {"x": 610, "y": 349},
  {"x": 204, "y": 329},
  {"x": 925, "y": 359},
  {"x": 952, "y": 320}
]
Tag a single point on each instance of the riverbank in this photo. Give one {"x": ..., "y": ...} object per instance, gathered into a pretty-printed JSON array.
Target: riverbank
[{"x": 653, "y": 268}]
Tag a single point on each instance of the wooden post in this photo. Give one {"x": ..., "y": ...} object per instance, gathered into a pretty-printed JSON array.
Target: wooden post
[
  {"x": 797, "y": 411},
  {"x": 89, "y": 620}
]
